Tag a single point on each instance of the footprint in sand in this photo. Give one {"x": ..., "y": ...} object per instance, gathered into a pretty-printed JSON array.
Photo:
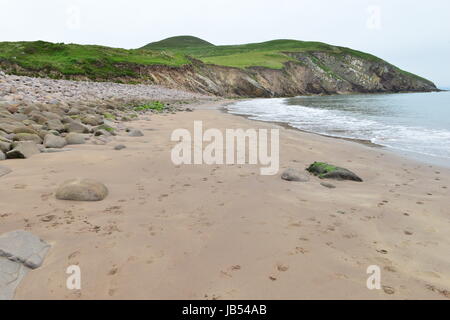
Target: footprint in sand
[
  {"x": 282, "y": 268},
  {"x": 443, "y": 292},
  {"x": 300, "y": 250},
  {"x": 48, "y": 218},
  {"x": 390, "y": 269},
  {"x": 73, "y": 255},
  {"x": 113, "y": 271},
  {"x": 112, "y": 292},
  {"x": 388, "y": 290}
]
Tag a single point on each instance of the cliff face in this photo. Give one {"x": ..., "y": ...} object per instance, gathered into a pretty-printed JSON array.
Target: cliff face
[
  {"x": 308, "y": 73},
  {"x": 311, "y": 73}
]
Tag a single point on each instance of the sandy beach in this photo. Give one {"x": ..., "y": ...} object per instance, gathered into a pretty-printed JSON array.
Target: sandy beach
[{"x": 226, "y": 232}]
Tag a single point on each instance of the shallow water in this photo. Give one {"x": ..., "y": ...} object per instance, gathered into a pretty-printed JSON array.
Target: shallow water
[{"x": 416, "y": 124}]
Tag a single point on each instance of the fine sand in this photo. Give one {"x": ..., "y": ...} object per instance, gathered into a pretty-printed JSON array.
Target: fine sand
[{"x": 226, "y": 232}]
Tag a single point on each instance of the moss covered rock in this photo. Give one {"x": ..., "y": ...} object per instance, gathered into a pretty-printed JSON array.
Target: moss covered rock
[{"x": 327, "y": 171}]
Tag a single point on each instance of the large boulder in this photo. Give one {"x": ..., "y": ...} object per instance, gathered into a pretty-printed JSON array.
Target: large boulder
[
  {"x": 24, "y": 129},
  {"x": 55, "y": 124},
  {"x": 82, "y": 190},
  {"x": 2, "y": 155},
  {"x": 75, "y": 138},
  {"x": 52, "y": 141},
  {"x": 51, "y": 115},
  {"x": 4, "y": 146},
  {"x": 73, "y": 111},
  {"x": 92, "y": 120},
  {"x": 76, "y": 127},
  {"x": 326, "y": 171},
  {"x": 294, "y": 175},
  {"x": 23, "y": 150},
  {"x": 28, "y": 137},
  {"x": 38, "y": 117},
  {"x": 135, "y": 133},
  {"x": 9, "y": 126}
]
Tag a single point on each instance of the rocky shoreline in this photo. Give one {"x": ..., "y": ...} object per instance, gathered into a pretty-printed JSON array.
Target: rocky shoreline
[{"x": 45, "y": 115}]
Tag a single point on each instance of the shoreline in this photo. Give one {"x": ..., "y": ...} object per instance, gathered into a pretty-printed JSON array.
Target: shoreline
[{"x": 422, "y": 158}]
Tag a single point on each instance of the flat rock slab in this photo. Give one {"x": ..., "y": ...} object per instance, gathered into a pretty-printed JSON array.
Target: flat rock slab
[
  {"x": 11, "y": 274},
  {"x": 20, "y": 252},
  {"x": 23, "y": 247},
  {"x": 4, "y": 171},
  {"x": 55, "y": 150}
]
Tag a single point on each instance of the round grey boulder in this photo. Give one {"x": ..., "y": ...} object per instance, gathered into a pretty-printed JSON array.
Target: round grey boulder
[
  {"x": 82, "y": 190},
  {"x": 135, "y": 133},
  {"x": 77, "y": 127},
  {"x": 294, "y": 175},
  {"x": 52, "y": 141},
  {"x": 75, "y": 138}
]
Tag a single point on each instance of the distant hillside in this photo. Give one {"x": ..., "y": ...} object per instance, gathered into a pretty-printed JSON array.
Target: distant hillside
[
  {"x": 180, "y": 42},
  {"x": 66, "y": 60},
  {"x": 269, "y": 69}
]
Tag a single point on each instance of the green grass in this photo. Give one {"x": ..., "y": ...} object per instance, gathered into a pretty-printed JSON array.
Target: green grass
[
  {"x": 269, "y": 59},
  {"x": 106, "y": 128},
  {"x": 178, "y": 42},
  {"x": 109, "y": 116},
  {"x": 88, "y": 60},
  {"x": 155, "y": 105},
  {"x": 270, "y": 54}
]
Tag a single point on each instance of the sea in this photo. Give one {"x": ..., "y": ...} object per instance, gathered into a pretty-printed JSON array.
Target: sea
[{"x": 413, "y": 124}]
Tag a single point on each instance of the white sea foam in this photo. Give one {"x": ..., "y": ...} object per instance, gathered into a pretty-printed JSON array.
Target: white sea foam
[{"x": 347, "y": 124}]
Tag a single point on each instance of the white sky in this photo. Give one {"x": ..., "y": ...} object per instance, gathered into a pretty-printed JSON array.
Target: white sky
[{"x": 412, "y": 34}]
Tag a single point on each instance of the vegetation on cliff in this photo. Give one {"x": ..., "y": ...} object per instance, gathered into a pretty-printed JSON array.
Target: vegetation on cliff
[
  {"x": 270, "y": 54},
  {"x": 272, "y": 68},
  {"x": 95, "y": 62}
]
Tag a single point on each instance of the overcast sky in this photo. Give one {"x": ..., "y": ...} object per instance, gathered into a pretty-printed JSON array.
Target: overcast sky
[{"x": 412, "y": 34}]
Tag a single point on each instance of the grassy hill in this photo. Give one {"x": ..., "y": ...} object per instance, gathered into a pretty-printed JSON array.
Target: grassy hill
[
  {"x": 268, "y": 54},
  {"x": 88, "y": 60},
  {"x": 99, "y": 62},
  {"x": 179, "y": 42}
]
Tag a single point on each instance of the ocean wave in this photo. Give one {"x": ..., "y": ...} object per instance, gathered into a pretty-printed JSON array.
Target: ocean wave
[{"x": 344, "y": 124}]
